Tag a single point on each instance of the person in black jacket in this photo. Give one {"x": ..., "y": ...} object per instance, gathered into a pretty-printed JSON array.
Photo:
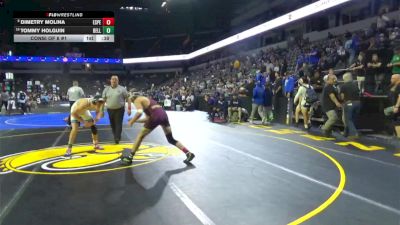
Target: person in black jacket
[
  {"x": 350, "y": 96},
  {"x": 268, "y": 115}
]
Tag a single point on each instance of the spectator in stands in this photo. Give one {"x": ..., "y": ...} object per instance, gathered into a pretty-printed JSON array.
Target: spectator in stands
[
  {"x": 376, "y": 72},
  {"x": 220, "y": 108},
  {"x": 350, "y": 96},
  {"x": 12, "y": 102},
  {"x": 167, "y": 103},
  {"x": 313, "y": 56},
  {"x": 277, "y": 92},
  {"x": 268, "y": 67},
  {"x": 382, "y": 21},
  {"x": 210, "y": 101},
  {"x": 31, "y": 103},
  {"x": 22, "y": 98},
  {"x": 341, "y": 54},
  {"x": 115, "y": 97},
  {"x": 373, "y": 45},
  {"x": 359, "y": 69},
  {"x": 282, "y": 66},
  {"x": 5, "y": 97},
  {"x": 234, "y": 105},
  {"x": 260, "y": 77},
  {"x": 268, "y": 114},
  {"x": 331, "y": 71},
  {"x": 300, "y": 101},
  {"x": 395, "y": 62},
  {"x": 348, "y": 47},
  {"x": 258, "y": 102},
  {"x": 183, "y": 101},
  {"x": 189, "y": 104},
  {"x": 383, "y": 41},
  {"x": 289, "y": 85},
  {"x": 330, "y": 103},
  {"x": 394, "y": 35},
  {"x": 317, "y": 82},
  {"x": 304, "y": 70}
]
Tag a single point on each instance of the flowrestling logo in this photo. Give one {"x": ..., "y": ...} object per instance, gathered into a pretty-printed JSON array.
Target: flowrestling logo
[{"x": 84, "y": 160}]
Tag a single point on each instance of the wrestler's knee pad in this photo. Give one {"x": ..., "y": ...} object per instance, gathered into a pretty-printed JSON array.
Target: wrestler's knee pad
[
  {"x": 171, "y": 140},
  {"x": 94, "y": 129}
]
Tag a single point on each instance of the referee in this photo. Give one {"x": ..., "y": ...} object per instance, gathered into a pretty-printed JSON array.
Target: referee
[{"x": 116, "y": 96}]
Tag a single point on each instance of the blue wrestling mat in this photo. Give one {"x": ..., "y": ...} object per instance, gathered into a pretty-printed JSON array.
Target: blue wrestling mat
[{"x": 45, "y": 120}]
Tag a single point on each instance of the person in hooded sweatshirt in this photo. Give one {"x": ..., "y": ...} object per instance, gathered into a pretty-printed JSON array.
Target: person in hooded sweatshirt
[{"x": 258, "y": 102}]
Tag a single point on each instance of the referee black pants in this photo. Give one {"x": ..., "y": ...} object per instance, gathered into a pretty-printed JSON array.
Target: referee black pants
[
  {"x": 116, "y": 116},
  {"x": 5, "y": 103}
]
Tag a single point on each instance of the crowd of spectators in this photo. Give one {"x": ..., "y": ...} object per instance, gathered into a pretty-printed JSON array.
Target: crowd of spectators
[{"x": 265, "y": 76}]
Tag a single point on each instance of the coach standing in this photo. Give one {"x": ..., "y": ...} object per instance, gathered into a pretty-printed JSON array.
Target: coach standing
[{"x": 116, "y": 96}]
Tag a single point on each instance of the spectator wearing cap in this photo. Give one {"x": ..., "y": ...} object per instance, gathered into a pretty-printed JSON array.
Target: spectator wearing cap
[
  {"x": 115, "y": 96},
  {"x": 349, "y": 94},
  {"x": 329, "y": 104}
]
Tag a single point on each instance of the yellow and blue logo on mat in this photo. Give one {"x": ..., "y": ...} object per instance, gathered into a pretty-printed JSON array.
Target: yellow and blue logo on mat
[{"x": 84, "y": 160}]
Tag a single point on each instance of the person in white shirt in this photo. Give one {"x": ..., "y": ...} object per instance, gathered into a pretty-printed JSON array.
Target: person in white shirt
[
  {"x": 167, "y": 103},
  {"x": 300, "y": 101},
  {"x": 74, "y": 93},
  {"x": 11, "y": 102}
]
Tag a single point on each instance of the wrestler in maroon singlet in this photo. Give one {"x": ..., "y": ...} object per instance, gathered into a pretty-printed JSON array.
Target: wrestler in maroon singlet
[{"x": 155, "y": 115}]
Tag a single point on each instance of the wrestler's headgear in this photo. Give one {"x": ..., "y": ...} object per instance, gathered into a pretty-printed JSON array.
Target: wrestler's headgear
[{"x": 97, "y": 98}]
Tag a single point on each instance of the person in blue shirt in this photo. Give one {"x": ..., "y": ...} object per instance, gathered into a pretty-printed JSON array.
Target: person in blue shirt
[
  {"x": 258, "y": 101},
  {"x": 289, "y": 85},
  {"x": 300, "y": 60},
  {"x": 260, "y": 78}
]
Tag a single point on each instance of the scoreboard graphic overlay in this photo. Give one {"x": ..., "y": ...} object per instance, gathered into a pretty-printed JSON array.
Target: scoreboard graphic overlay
[{"x": 38, "y": 26}]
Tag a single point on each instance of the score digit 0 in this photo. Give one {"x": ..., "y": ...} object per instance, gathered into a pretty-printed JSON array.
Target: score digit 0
[{"x": 108, "y": 21}]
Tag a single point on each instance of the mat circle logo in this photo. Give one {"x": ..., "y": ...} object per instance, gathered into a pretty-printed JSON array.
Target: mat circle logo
[{"x": 84, "y": 160}]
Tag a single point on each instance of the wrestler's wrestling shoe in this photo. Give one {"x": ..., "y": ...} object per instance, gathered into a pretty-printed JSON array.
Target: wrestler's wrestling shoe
[
  {"x": 127, "y": 157},
  {"x": 189, "y": 157},
  {"x": 68, "y": 154},
  {"x": 97, "y": 147}
]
